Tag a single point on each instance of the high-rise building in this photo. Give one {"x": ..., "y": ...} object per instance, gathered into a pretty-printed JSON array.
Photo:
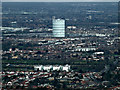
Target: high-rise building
[{"x": 58, "y": 27}]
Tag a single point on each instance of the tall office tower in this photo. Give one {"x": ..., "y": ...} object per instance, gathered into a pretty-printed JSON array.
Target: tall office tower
[{"x": 58, "y": 27}]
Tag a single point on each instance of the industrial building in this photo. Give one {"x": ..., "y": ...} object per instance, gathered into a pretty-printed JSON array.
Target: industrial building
[
  {"x": 85, "y": 49},
  {"x": 58, "y": 27}
]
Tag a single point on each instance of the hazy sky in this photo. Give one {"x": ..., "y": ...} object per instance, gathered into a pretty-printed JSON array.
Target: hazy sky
[{"x": 60, "y": 0}]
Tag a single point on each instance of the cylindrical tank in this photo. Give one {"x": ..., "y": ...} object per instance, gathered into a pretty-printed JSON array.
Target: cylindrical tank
[{"x": 58, "y": 28}]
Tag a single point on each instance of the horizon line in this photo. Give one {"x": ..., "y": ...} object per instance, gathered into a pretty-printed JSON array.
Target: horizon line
[{"x": 65, "y": 1}]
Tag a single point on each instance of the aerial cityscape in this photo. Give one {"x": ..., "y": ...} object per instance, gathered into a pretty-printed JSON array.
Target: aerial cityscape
[{"x": 60, "y": 45}]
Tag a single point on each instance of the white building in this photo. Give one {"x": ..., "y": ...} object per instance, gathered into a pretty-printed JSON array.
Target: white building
[
  {"x": 56, "y": 67},
  {"x": 85, "y": 49},
  {"x": 58, "y": 28},
  {"x": 99, "y": 53},
  {"x": 52, "y": 67},
  {"x": 66, "y": 68},
  {"x": 47, "y": 67},
  {"x": 38, "y": 67}
]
